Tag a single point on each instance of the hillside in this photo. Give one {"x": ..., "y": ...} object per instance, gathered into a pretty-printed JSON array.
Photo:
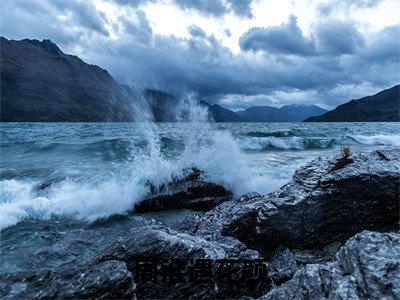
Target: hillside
[
  {"x": 41, "y": 83},
  {"x": 381, "y": 107}
]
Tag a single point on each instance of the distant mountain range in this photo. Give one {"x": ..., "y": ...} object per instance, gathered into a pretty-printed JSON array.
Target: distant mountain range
[
  {"x": 381, "y": 107},
  {"x": 41, "y": 83},
  {"x": 287, "y": 113}
]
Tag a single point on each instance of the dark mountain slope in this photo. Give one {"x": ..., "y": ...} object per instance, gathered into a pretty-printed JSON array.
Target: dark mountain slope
[
  {"x": 264, "y": 114},
  {"x": 41, "y": 83},
  {"x": 381, "y": 107},
  {"x": 221, "y": 114},
  {"x": 300, "y": 112}
]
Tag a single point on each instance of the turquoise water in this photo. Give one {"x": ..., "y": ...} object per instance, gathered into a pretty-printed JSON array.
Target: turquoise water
[
  {"x": 93, "y": 170},
  {"x": 58, "y": 180}
]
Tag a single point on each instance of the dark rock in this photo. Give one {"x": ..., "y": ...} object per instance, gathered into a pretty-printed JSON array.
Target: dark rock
[
  {"x": 318, "y": 207},
  {"x": 373, "y": 259},
  {"x": 188, "y": 191},
  {"x": 157, "y": 242},
  {"x": 106, "y": 280},
  {"x": 366, "y": 267},
  {"x": 282, "y": 266},
  {"x": 163, "y": 244},
  {"x": 73, "y": 245}
]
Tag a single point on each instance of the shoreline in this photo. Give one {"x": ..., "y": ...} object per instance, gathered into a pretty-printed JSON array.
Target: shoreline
[{"x": 304, "y": 227}]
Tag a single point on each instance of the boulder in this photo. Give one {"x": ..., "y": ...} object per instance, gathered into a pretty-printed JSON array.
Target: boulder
[
  {"x": 188, "y": 191},
  {"x": 106, "y": 280},
  {"x": 164, "y": 246},
  {"x": 321, "y": 205},
  {"x": 366, "y": 267}
]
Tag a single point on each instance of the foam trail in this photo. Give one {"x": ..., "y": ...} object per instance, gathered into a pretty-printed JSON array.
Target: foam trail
[{"x": 211, "y": 150}]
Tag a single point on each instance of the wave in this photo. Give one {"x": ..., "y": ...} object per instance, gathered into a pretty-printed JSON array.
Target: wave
[
  {"x": 67, "y": 198},
  {"x": 278, "y": 134},
  {"x": 377, "y": 140},
  {"x": 91, "y": 198},
  {"x": 286, "y": 143}
]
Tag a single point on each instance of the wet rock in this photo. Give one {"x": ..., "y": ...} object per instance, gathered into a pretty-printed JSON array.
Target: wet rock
[
  {"x": 366, "y": 267},
  {"x": 319, "y": 206},
  {"x": 156, "y": 243},
  {"x": 282, "y": 266},
  {"x": 106, "y": 280},
  {"x": 189, "y": 191},
  {"x": 373, "y": 259}
]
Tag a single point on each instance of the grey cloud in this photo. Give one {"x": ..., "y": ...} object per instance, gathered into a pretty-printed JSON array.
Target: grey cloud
[
  {"x": 84, "y": 13},
  {"x": 140, "y": 30},
  {"x": 208, "y": 7},
  {"x": 284, "y": 39},
  {"x": 196, "y": 31},
  {"x": 384, "y": 46},
  {"x": 217, "y": 8},
  {"x": 338, "y": 37},
  {"x": 132, "y": 3},
  {"x": 241, "y": 7},
  {"x": 328, "y": 7},
  {"x": 330, "y": 37},
  {"x": 205, "y": 66}
]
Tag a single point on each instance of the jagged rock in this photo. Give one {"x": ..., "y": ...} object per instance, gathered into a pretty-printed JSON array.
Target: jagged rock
[
  {"x": 366, "y": 267},
  {"x": 282, "y": 266},
  {"x": 157, "y": 242},
  {"x": 162, "y": 244},
  {"x": 106, "y": 280},
  {"x": 373, "y": 259},
  {"x": 318, "y": 207},
  {"x": 189, "y": 192}
]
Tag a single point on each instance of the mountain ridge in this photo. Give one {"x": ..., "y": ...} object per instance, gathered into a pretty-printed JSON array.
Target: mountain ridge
[
  {"x": 383, "y": 106},
  {"x": 39, "y": 82}
]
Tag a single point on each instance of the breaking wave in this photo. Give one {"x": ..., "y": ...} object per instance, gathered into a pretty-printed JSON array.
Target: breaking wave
[
  {"x": 95, "y": 192},
  {"x": 378, "y": 140},
  {"x": 286, "y": 143}
]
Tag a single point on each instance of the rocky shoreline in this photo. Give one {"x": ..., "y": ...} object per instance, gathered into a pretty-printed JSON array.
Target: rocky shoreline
[{"x": 331, "y": 232}]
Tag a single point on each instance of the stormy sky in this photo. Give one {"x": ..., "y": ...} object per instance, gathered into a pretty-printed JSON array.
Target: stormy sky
[{"x": 237, "y": 53}]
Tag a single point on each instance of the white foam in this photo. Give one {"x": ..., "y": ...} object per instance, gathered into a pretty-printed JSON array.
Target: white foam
[
  {"x": 379, "y": 140},
  {"x": 213, "y": 151}
]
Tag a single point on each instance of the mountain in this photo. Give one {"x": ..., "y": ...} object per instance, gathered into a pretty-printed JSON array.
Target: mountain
[
  {"x": 221, "y": 114},
  {"x": 381, "y": 107},
  {"x": 263, "y": 114},
  {"x": 300, "y": 112},
  {"x": 162, "y": 105},
  {"x": 41, "y": 83},
  {"x": 287, "y": 113}
]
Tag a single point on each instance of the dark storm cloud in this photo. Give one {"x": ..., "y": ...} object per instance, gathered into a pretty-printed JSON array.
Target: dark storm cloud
[
  {"x": 385, "y": 46},
  {"x": 318, "y": 69},
  {"x": 333, "y": 36},
  {"x": 283, "y": 39},
  {"x": 338, "y": 37}
]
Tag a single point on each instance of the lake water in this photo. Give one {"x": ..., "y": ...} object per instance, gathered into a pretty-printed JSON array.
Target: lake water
[{"x": 58, "y": 178}]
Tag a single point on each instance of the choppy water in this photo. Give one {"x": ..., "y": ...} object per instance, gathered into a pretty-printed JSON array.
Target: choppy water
[
  {"x": 58, "y": 178},
  {"x": 93, "y": 170}
]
